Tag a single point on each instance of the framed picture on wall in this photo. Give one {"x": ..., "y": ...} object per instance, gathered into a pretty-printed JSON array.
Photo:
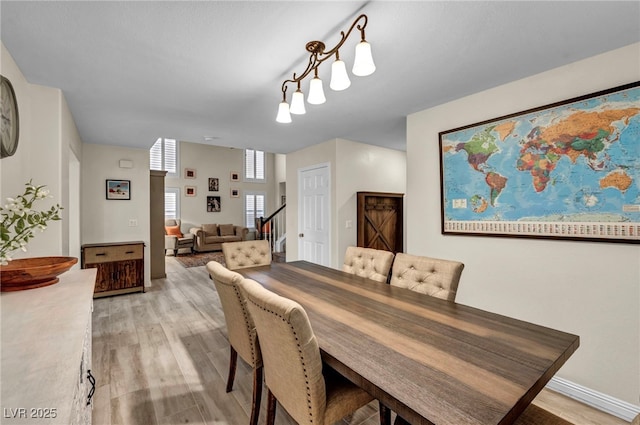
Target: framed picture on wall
[
  {"x": 567, "y": 170},
  {"x": 189, "y": 173},
  {"x": 235, "y": 193},
  {"x": 189, "y": 191},
  {"x": 214, "y": 184},
  {"x": 118, "y": 189},
  {"x": 213, "y": 204},
  {"x": 235, "y": 176}
]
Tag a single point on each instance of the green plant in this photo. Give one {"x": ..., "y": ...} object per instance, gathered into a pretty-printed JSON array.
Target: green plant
[{"x": 19, "y": 220}]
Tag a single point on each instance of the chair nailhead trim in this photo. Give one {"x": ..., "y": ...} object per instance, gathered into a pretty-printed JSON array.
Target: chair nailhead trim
[
  {"x": 247, "y": 322},
  {"x": 304, "y": 368}
]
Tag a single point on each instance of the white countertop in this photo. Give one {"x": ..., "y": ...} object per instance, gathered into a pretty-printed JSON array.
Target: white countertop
[{"x": 42, "y": 338}]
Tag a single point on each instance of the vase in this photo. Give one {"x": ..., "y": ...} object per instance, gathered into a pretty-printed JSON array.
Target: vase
[{"x": 36, "y": 272}]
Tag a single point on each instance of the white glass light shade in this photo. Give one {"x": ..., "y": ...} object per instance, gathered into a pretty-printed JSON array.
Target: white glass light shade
[
  {"x": 363, "y": 64},
  {"x": 283, "y": 113},
  {"x": 316, "y": 92},
  {"x": 297, "y": 103},
  {"x": 339, "y": 77}
]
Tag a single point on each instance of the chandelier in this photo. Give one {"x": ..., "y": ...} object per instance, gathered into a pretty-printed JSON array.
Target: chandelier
[{"x": 363, "y": 65}]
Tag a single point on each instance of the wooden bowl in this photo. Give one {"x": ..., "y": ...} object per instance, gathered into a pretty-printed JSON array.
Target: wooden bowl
[{"x": 29, "y": 273}]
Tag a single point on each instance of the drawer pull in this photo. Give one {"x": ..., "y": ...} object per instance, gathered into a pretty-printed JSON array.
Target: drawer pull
[
  {"x": 93, "y": 386},
  {"x": 100, "y": 254},
  {"x": 130, "y": 252}
]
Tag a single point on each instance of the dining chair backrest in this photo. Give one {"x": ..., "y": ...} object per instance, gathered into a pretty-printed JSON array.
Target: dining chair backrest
[
  {"x": 290, "y": 353},
  {"x": 238, "y": 255},
  {"x": 240, "y": 327},
  {"x": 368, "y": 262},
  {"x": 432, "y": 276}
]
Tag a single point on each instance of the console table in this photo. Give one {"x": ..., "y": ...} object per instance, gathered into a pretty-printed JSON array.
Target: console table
[
  {"x": 46, "y": 352},
  {"x": 120, "y": 266}
]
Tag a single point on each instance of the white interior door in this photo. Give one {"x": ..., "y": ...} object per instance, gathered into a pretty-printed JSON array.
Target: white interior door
[{"x": 313, "y": 220}]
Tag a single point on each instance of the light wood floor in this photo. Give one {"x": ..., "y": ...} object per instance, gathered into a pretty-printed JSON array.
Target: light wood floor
[{"x": 162, "y": 358}]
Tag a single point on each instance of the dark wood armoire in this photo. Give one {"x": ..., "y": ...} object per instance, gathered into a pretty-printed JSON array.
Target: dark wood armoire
[{"x": 380, "y": 220}]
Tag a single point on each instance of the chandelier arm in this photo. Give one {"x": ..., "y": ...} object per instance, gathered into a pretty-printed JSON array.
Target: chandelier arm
[
  {"x": 326, "y": 55},
  {"x": 313, "y": 64},
  {"x": 318, "y": 54}
]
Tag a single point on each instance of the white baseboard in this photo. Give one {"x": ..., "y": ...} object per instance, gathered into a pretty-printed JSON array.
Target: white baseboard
[{"x": 595, "y": 399}]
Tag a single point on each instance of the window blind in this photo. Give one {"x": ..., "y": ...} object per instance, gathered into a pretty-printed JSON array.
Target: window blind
[
  {"x": 254, "y": 165},
  {"x": 171, "y": 205},
  {"x": 254, "y": 208},
  {"x": 163, "y": 155}
]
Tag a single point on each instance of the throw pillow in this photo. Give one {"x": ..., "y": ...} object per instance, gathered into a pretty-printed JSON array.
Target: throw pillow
[
  {"x": 210, "y": 229},
  {"x": 173, "y": 231},
  {"x": 226, "y": 230}
]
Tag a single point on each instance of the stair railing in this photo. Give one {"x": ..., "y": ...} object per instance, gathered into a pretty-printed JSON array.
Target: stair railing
[{"x": 273, "y": 229}]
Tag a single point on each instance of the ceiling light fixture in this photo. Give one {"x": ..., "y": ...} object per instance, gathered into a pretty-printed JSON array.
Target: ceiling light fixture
[{"x": 363, "y": 65}]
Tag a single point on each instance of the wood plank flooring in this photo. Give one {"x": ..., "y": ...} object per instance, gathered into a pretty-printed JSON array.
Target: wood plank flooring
[{"x": 162, "y": 358}]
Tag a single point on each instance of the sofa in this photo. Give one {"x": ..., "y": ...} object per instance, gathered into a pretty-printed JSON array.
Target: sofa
[{"x": 210, "y": 237}]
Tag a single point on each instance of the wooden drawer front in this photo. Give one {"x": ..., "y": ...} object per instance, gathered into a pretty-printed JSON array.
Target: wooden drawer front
[{"x": 105, "y": 254}]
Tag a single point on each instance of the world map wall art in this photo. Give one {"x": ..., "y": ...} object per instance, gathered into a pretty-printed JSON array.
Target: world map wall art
[{"x": 569, "y": 170}]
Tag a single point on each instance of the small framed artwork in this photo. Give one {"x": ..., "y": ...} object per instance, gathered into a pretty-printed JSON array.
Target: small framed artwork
[
  {"x": 189, "y": 173},
  {"x": 235, "y": 193},
  {"x": 118, "y": 189},
  {"x": 213, "y": 204},
  {"x": 214, "y": 184},
  {"x": 189, "y": 191},
  {"x": 235, "y": 176}
]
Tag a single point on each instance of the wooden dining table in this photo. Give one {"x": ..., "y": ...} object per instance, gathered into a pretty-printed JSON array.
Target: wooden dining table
[{"x": 431, "y": 361}]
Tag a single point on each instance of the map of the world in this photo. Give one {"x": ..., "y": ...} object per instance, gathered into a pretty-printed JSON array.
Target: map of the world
[{"x": 571, "y": 170}]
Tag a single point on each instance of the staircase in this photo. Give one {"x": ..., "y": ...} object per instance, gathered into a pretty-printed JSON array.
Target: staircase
[{"x": 273, "y": 229}]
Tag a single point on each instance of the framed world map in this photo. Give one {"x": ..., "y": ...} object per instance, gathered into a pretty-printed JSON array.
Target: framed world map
[{"x": 569, "y": 170}]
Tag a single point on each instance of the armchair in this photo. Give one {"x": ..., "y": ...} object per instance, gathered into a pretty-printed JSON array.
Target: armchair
[{"x": 174, "y": 239}]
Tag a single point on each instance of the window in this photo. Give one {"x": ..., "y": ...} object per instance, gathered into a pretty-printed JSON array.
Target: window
[
  {"x": 254, "y": 207},
  {"x": 164, "y": 156},
  {"x": 254, "y": 165},
  {"x": 171, "y": 202}
]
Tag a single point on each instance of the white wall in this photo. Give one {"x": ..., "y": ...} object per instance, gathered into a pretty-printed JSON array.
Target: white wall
[
  {"x": 106, "y": 220},
  {"x": 70, "y": 153},
  {"x": 280, "y": 164},
  {"x": 362, "y": 168},
  {"x": 590, "y": 289},
  {"x": 354, "y": 167},
  {"x": 317, "y": 154},
  {"x": 217, "y": 161},
  {"x": 47, "y": 132},
  {"x": 75, "y": 238}
]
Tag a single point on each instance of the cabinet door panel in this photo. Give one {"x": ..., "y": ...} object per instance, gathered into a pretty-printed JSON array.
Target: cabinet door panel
[
  {"x": 380, "y": 221},
  {"x": 129, "y": 274},
  {"x": 104, "y": 276}
]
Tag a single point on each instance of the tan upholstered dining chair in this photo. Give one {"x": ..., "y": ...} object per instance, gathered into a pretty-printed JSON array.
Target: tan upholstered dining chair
[
  {"x": 238, "y": 255},
  {"x": 312, "y": 393},
  {"x": 431, "y": 276},
  {"x": 367, "y": 262},
  {"x": 241, "y": 331}
]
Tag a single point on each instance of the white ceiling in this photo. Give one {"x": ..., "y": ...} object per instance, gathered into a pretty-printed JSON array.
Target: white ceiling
[{"x": 135, "y": 71}]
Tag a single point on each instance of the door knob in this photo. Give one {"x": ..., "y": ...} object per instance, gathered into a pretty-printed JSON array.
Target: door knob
[{"x": 301, "y": 235}]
